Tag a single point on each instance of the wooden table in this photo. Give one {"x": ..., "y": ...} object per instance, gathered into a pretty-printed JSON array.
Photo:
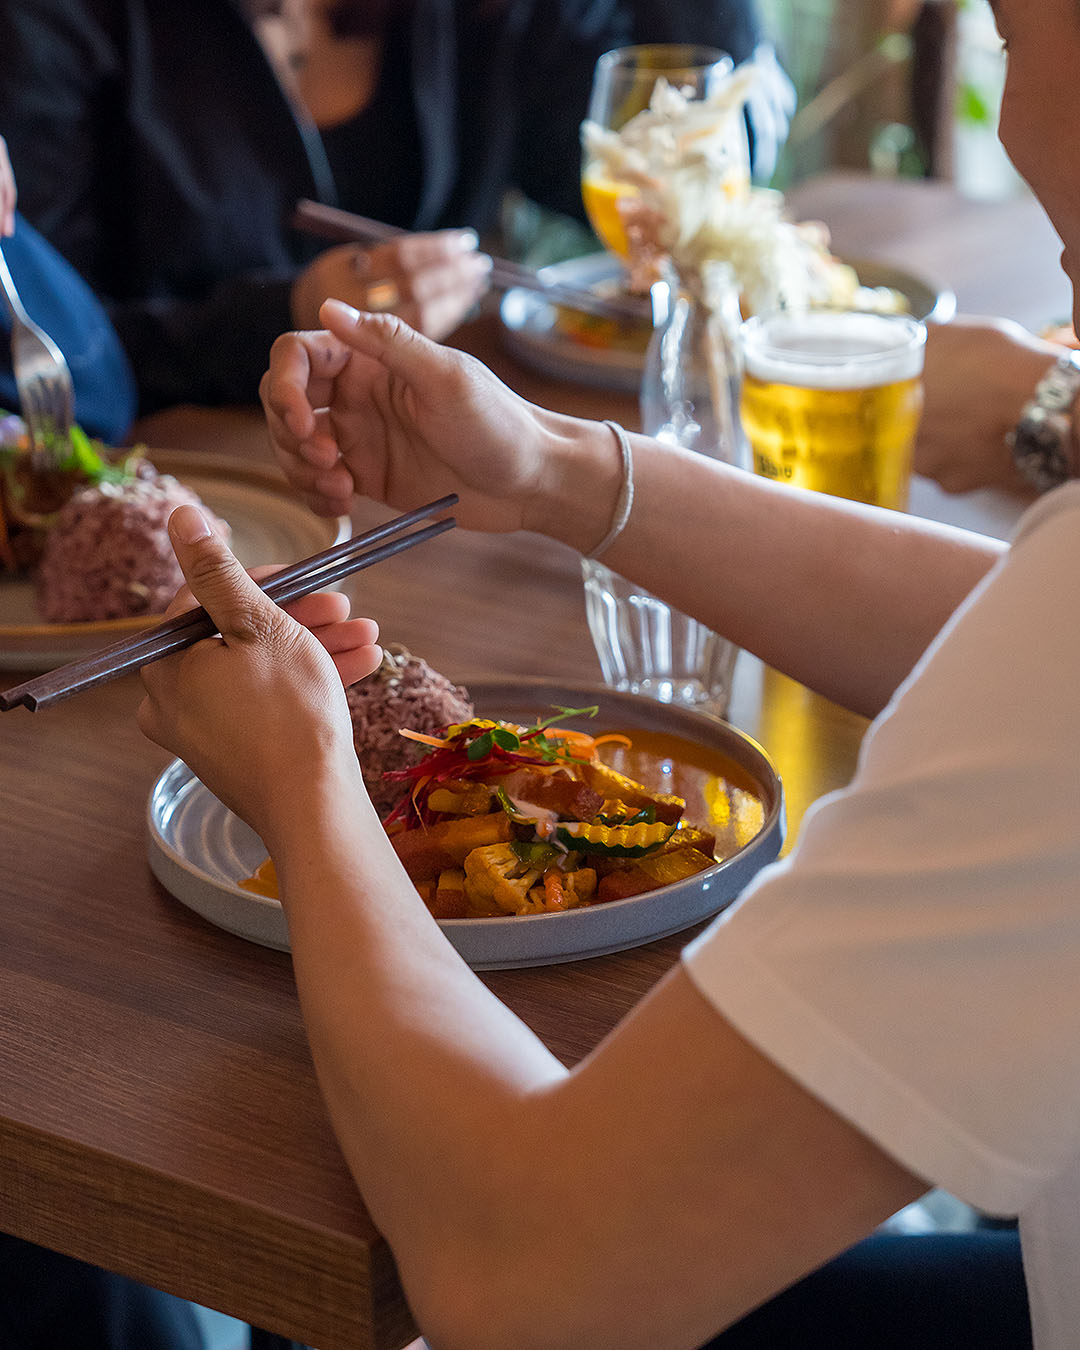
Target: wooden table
[{"x": 158, "y": 1112}]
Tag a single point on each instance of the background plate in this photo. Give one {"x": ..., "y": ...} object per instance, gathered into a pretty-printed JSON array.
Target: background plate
[
  {"x": 197, "y": 848},
  {"x": 268, "y": 524},
  {"x": 530, "y": 333}
]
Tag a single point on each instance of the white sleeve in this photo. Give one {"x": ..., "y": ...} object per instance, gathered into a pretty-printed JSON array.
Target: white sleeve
[{"x": 916, "y": 961}]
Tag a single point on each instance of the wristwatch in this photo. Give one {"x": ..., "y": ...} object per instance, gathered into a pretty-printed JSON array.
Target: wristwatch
[{"x": 1041, "y": 442}]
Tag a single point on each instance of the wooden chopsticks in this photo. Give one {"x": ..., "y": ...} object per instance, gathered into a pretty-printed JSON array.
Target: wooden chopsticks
[
  {"x": 330, "y": 222},
  {"x": 311, "y": 574}
]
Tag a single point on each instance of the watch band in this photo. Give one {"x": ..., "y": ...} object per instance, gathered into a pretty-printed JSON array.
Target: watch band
[{"x": 1041, "y": 442}]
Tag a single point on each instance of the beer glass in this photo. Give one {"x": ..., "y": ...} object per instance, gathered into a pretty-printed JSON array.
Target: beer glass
[
  {"x": 831, "y": 401},
  {"x": 623, "y": 84}
]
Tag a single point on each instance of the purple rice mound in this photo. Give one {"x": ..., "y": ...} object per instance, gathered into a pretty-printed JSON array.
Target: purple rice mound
[
  {"x": 403, "y": 692},
  {"x": 108, "y": 556}
]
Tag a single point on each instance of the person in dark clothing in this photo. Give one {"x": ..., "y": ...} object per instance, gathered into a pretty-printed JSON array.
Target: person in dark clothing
[{"x": 163, "y": 148}]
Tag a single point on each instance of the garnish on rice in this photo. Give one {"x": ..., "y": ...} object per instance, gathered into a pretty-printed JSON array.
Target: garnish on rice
[
  {"x": 34, "y": 488},
  {"x": 87, "y": 524}
]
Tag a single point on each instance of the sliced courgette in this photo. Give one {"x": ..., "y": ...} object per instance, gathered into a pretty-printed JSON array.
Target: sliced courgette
[{"x": 614, "y": 841}]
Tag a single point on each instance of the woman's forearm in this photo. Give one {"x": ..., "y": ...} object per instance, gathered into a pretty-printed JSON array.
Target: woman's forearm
[
  {"x": 840, "y": 596},
  {"x": 395, "y": 1018}
]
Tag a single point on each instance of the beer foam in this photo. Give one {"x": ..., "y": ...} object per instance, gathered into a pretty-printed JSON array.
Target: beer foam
[{"x": 825, "y": 349}]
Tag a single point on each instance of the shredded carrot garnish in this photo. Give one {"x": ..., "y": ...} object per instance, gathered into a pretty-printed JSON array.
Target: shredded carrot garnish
[
  {"x": 423, "y": 738},
  {"x": 616, "y": 737},
  {"x": 421, "y": 783},
  {"x": 555, "y": 896},
  {"x": 581, "y": 738}
]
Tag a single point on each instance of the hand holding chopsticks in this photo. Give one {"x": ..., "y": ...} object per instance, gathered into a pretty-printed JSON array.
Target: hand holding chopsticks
[
  {"x": 329, "y": 222},
  {"x": 318, "y": 572}
]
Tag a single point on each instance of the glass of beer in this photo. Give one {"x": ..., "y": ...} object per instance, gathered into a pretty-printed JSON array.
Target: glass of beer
[
  {"x": 623, "y": 84},
  {"x": 831, "y": 401}
]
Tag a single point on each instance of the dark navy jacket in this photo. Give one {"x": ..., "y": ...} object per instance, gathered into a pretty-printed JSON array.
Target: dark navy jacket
[{"x": 154, "y": 146}]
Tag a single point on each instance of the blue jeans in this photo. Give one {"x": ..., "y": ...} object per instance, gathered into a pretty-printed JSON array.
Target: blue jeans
[
  {"x": 940, "y": 1291},
  {"x": 52, "y": 1302},
  {"x": 891, "y": 1292}
]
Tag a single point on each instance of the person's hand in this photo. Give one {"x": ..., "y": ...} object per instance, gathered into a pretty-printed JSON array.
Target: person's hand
[
  {"x": 7, "y": 192},
  {"x": 259, "y": 713},
  {"x": 429, "y": 280},
  {"x": 770, "y": 106},
  {"x": 372, "y": 407},
  {"x": 978, "y": 375}
]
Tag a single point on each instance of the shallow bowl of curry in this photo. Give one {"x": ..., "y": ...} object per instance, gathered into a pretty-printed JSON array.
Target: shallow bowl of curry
[{"x": 200, "y": 851}]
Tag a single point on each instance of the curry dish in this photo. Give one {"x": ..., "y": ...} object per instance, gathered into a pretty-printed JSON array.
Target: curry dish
[{"x": 499, "y": 819}]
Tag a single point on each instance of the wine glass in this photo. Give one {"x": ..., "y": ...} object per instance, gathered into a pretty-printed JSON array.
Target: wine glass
[
  {"x": 623, "y": 85},
  {"x": 642, "y": 643}
]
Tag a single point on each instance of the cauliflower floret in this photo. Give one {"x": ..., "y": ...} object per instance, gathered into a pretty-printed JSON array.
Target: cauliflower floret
[
  {"x": 583, "y": 884},
  {"x": 495, "y": 875}
]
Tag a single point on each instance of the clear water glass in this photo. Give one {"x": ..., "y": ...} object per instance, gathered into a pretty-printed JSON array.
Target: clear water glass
[
  {"x": 647, "y": 647},
  {"x": 689, "y": 395}
]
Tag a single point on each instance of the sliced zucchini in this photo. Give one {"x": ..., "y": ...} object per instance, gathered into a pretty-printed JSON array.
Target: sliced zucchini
[{"x": 614, "y": 841}]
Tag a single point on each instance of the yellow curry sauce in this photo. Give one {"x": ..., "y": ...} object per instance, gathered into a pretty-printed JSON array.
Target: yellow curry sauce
[{"x": 719, "y": 794}]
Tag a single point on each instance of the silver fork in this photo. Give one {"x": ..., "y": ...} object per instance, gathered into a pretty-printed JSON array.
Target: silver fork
[{"x": 42, "y": 376}]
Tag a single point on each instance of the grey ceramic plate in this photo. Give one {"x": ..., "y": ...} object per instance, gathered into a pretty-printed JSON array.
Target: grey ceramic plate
[
  {"x": 198, "y": 849},
  {"x": 269, "y": 524},
  {"x": 531, "y": 334}
]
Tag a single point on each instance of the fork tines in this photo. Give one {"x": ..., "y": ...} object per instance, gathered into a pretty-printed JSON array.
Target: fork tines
[
  {"x": 311, "y": 574},
  {"x": 42, "y": 376}
]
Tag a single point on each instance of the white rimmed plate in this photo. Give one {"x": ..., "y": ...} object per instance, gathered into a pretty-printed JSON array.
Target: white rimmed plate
[
  {"x": 530, "y": 331},
  {"x": 269, "y": 524},
  {"x": 198, "y": 849}
]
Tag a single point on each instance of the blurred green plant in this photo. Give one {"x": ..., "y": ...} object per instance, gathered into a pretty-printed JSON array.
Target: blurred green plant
[
  {"x": 981, "y": 167},
  {"x": 532, "y": 234},
  {"x": 973, "y": 106},
  {"x": 981, "y": 65},
  {"x": 895, "y": 153}
]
